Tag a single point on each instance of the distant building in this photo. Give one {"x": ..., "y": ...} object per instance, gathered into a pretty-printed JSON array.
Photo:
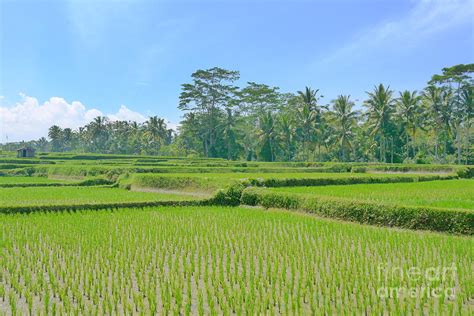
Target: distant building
[{"x": 25, "y": 152}]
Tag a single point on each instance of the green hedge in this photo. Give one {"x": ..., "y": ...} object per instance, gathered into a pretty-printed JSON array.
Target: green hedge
[
  {"x": 425, "y": 218},
  {"x": 465, "y": 172},
  {"x": 460, "y": 169},
  {"x": 230, "y": 196},
  {"x": 76, "y": 207},
  {"x": 175, "y": 182},
  {"x": 290, "y": 182},
  {"x": 86, "y": 182}
]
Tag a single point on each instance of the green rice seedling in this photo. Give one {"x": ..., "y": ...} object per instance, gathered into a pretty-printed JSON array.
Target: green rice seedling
[
  {"x": 48, "y": 196},
  {"x": 445, "y": 194},
  {"x": 217, "y": 260}
]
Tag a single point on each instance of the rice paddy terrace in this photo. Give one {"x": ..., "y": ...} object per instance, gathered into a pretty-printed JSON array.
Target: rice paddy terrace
[{"x": 113, "y": 234}]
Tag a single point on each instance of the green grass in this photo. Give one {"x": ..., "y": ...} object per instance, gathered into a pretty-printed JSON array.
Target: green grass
[
  {"x": 444, "y": 194},
  {"x": 28, "y": 180},
  {"x": 224, "y": 261},
  {"x": 210, "y": 182},
  {"x": 33, "y": 196}
]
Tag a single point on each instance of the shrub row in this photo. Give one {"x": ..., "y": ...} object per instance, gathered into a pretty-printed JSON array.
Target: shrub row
[
  {"x": 102, "y": 206},
  {"x": 424, "y": 218},
  {"x": 178, "y": 182},
  {"x": 86, "y": 182},
  {"x": 466, "y": 172},
  {"x": 289, "y": 182},
  {"x": 23, "y": 161},
  {"x": 412, "y": 168}
]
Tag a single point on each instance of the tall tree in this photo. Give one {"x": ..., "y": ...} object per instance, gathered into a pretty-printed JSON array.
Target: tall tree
[
  {"x": 440, "y": 106},
  {"x": 465, "y": 115},
  {"x": 210, "y": 92},
  {"x": 409, "y": 112},
  {"x": 307, "y": 114},
  {"x": 55, "y": 133},
  {"x": 98, "y": 134},
  {"x": 456, "y": 79},
  {"x": 230, "y": 135},
  {"x": 155, "y": 133},
  {"x": 343, "y": 118},
  {"x": 380, "y": 106},
  {"x": 266, "y": 134},
  {"x": 287, "y": 135}
]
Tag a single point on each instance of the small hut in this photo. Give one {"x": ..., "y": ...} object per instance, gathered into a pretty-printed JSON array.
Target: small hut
[{"x": 25, "y": 152}]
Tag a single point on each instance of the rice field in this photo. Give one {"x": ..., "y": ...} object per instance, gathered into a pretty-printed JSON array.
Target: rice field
[
  {"x": 215, "y": 260},
  {"x": 62, "y": 253},
  {"x": 45, "y": 196},
  {"x": 445, "y": 194},
  {"x": 210, "y": 182},
  {"x": 28, "y": 180}
]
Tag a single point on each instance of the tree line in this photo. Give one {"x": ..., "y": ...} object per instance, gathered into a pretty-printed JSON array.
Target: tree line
[
  {"x": 104, "y": 136},
  {"x": 258, "y": 122}
]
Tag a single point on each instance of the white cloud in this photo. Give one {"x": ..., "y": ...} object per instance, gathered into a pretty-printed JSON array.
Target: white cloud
[
  {"x": 28, "y": 119},
  {"x": 426, "y": 18},
  {"x": 125, "y": 114}
]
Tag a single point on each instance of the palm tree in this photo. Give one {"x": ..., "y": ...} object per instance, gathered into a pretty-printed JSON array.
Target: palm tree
[
  {"x": 97, "y": 130},
  {"x": 155, "y": 132},
  {"x": 229, "y": 134},
  {"x": 344, "y": 119},
  {"x": 309, "y": 115},
  {"x": 309, "y": 97},
  {"x": 42, "y": 143},
  {"x": 466, "y": 112},
  {"x": 380, "y": 109},
  {"x": 266, "y": 135},
  {"x": 409, "y": 111},
  {"x": 135, "y": 133},
  {"x": 440, "y": 101},
  {"x": 55, "y": 133},
  {"x": 287, "y": 132}
]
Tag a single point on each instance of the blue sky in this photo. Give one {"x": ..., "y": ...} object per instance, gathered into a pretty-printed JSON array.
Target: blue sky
[{"x": 66, "y": 61}]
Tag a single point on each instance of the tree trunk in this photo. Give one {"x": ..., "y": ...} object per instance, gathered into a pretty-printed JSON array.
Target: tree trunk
[
  {"x": 458, "y": 141},
  {"x": 391, "y": 149},
  {"x": 408, "y": 148},
  {"x": 382, "y": 149},
  {"x": 445, "y": 149},
  {"x": 413, "y": 145}
]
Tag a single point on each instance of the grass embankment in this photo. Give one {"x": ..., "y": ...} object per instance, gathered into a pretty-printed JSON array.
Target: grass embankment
[
  {"x": 406, "y": 207},
  {"x": 210, "y": 182},
  {"x": 31, "y": 180},
  {"x": 61, "y": 198},
  {"x": 19, "y": 181},
  {"x": 113, "y": 165},
  {"x": 217, "y": 260},
  {"x": 443, "y": 194}
]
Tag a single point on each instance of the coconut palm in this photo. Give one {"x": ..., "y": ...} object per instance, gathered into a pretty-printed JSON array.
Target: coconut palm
[
  {"x": 465, "y": 114},
  {"x": 266, "y": 135},
  {"x": 380, "y": 109},
  {"x": 409, "y": 112},
  {"x": 155, "y": 132},
  {"x": 97, "y": 133},
  {"x": 309, "y": 97},
  {"x": 309, "y": 116},
  {"x": 286, "y": 136},
  {"x": 440, "y": 106},
  {"x": 344, "y": 119},
  {"x": 55, "y": 133}
]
